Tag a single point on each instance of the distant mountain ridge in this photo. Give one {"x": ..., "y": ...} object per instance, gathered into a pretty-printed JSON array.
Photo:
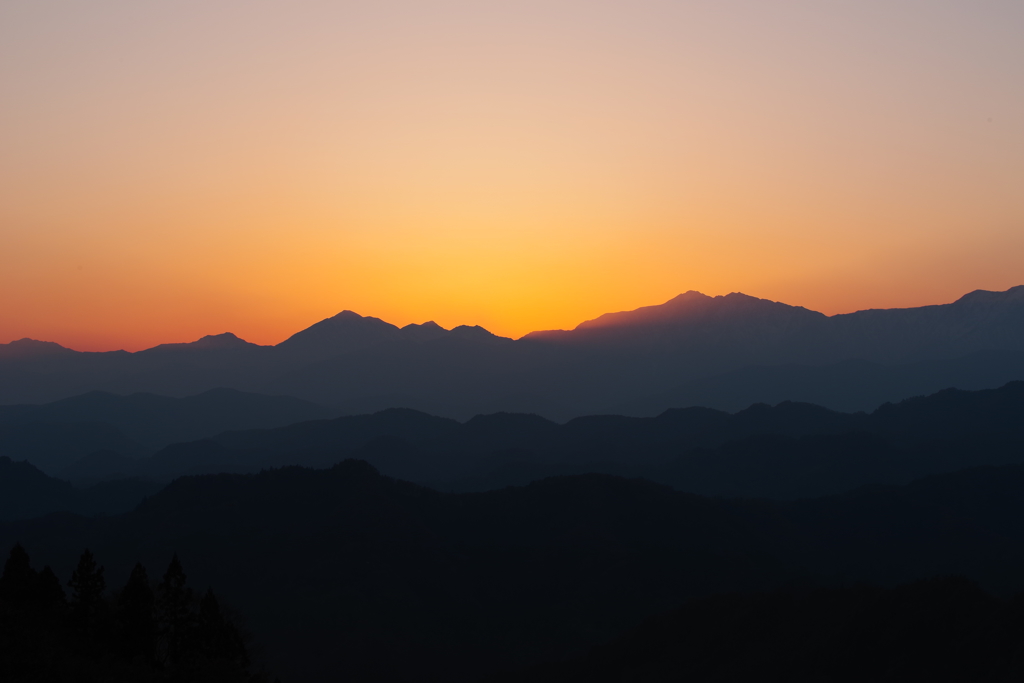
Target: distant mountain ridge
[
  {"x": 644, "y": 360},
  {"x": 55, "y": 435},
  {"x": 789, "y": 451}
]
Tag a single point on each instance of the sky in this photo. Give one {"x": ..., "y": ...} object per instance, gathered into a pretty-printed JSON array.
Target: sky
[{"x": 175, "y": 169}]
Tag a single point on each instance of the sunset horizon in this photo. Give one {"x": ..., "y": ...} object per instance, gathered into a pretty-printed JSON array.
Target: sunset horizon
[
  {"x": 544, "y": 341},
  {"x": 166, "y": 171},
  {"x": 496, "y": 332}
]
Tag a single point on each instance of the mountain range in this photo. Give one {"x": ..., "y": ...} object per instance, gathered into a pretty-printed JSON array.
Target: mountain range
[
  {"x": 722, "y": 352},
  {"x": 786, "y": 452},
  {"x": 791, "y": 450},
  {"x": 421, "y": 504}
]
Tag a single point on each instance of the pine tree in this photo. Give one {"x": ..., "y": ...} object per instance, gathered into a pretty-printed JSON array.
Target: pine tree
[
  {"x": 49, "y": 594},
  {"x": 217, "y": 637},
  {"x": 174, "y": 601},
  {"x": 113, "y": 640},
  {"x": 18, "y": 581},
  {"x": 87, "y": 586},
  {"x": 136, "y": 612}
]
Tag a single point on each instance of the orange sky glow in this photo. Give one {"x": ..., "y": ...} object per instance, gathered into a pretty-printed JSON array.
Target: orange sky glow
[{"x": 175, "y": 169}]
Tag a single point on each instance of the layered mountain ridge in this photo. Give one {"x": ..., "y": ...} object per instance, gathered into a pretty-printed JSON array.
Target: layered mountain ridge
[
  {"x": 787, "y": 451},
  {"x": 642, "y": 361}
]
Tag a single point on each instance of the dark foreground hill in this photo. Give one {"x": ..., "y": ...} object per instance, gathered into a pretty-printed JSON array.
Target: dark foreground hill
[
  {"x": 25, "y": 492},
  {"x": 787, "y": 451},
  {"x": 944, "y": 629},
  {"x": 723, "y": 352},
  {"x": 345, "y": 573}
]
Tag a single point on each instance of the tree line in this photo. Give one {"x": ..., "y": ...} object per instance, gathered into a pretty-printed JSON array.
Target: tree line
[{"x": 147, "y": 631}]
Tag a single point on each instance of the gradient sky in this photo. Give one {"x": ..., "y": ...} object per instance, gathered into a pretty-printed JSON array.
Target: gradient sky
[{"x": 175, "y": 169}]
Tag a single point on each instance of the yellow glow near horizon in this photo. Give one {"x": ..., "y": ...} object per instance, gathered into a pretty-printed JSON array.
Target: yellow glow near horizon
[{"x": 171, "y": 170}]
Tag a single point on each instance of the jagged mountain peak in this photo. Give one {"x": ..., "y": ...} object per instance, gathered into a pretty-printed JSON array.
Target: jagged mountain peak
[
  {"x": 430, "y": 324},
  {"x": 423, "y": 331}
]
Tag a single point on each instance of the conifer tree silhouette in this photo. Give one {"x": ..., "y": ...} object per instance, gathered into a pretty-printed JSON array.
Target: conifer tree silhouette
[
  {"x": 216, "y": 637},
  {"x": 87, "y": 586},
  {"x": 136, "y": 607},
  {"x": 18, "y": 581},
  {"x": 174, "y": 602},
  {"x": 16, "y": 623},
  {"x": 135, "y": 635},
  {"x": 49, "y": 591}
]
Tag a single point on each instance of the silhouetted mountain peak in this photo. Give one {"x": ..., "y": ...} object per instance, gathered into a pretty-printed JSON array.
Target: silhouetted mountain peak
[
  {"x": 423, "y": 332},
  {"x": 31, "y": 348},
  {"x": 344, "y": 320},
  {"x": 346, "y": 315},
  {"x": 345, "y": 332},
  {"x": 429, "y": 325},
  {"x": 694, "y": 308},
  {"x": 473, "y": 332},
  {"x": 226, "y": 340},
  {"x": 687, "y": 298}
]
